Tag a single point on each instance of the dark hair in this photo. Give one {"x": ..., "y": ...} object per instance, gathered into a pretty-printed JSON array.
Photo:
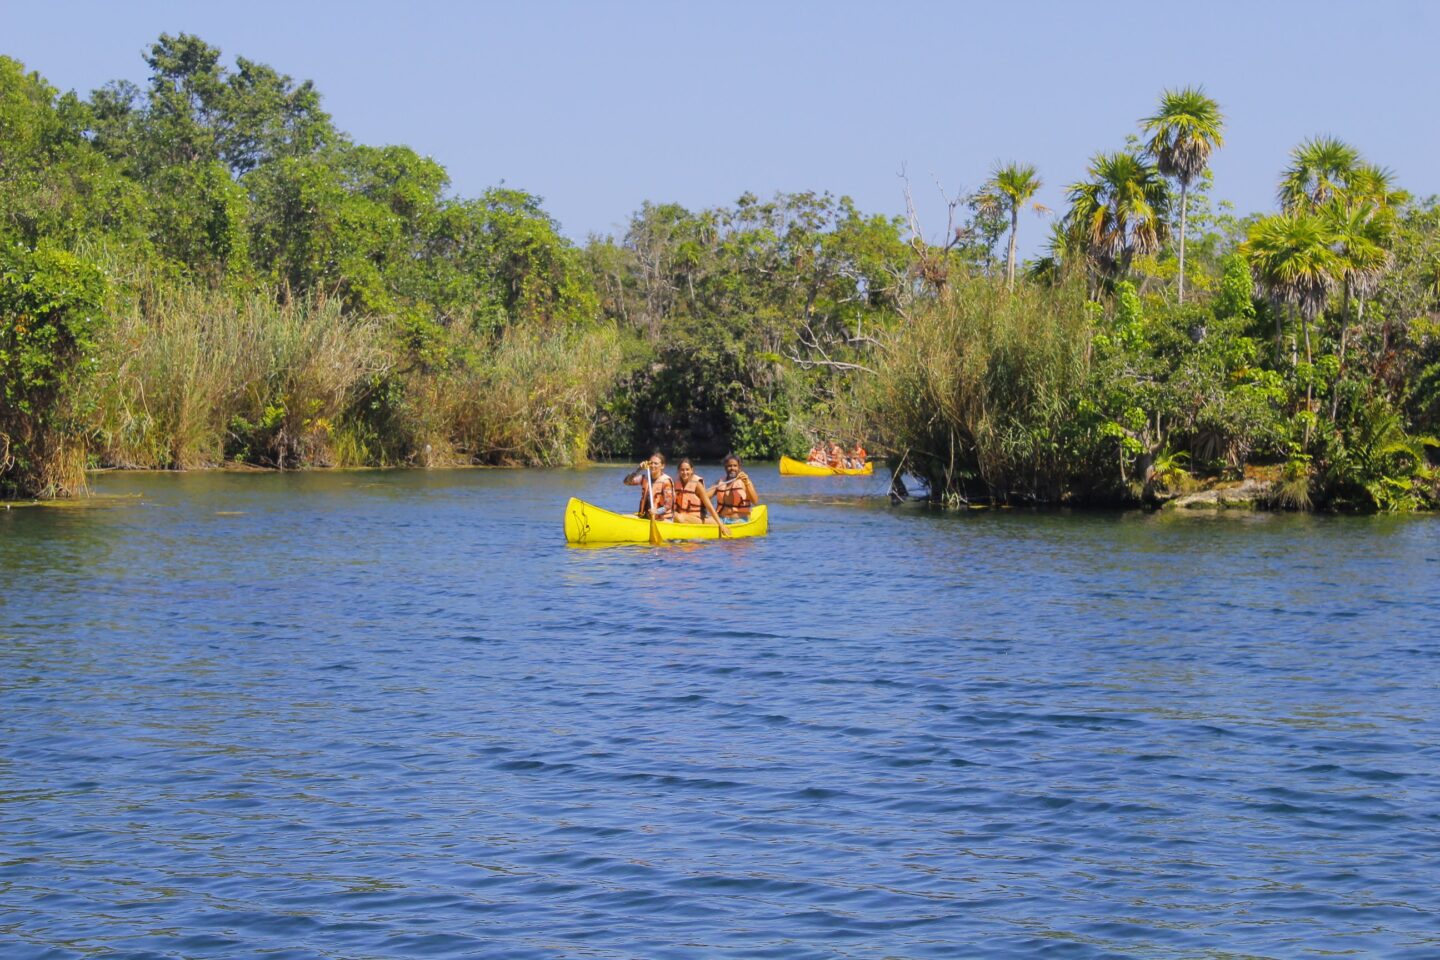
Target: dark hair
[
  {"x": 730, "y": 456},
  {"x": 683, "y": 461}
]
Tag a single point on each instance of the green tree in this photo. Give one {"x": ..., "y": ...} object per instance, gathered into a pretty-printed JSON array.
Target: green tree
[
  {"x": 50, "y": 311},
  {"x": 1120, "y": 212},
  {"x": 53, "y": 183},
  {"x": 1293, "y": 257},
  {"x": 1320, "y": 169},
  {"x": 266, "y": 116},
  {"x": 1013, "y": 185},
  {"x": 1183, "y": 133}
]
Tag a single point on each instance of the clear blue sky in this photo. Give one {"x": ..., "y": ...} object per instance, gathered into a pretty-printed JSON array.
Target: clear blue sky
[{"x": 599, "y": 106}]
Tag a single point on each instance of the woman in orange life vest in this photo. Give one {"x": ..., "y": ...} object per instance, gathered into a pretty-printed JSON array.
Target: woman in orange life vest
[
  {"x": 835, "y": 455},
  {"x": 817, "y": 455},
  {"x": 692, "y": 503},
  {"x": 660, "y": 490},
  {"x": 734, "y": 495}
]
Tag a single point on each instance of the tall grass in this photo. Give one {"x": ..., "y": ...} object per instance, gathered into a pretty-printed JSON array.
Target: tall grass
[
  {"x": 530, "y": 398},
  {"x": 978, "y": 391},
  {"x": 198, "y": 377},
  {"x": 197, "y": 374}
]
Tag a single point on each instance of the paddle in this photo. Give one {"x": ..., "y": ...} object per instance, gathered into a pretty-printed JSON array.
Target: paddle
[{"x": 655, "y": 538}]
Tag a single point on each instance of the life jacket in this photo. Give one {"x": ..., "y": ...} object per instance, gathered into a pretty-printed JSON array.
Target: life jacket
[
  {"x": 835, "y": 457},
  {"x": 731, "y": 499},
  {"x": 664, "y": 496},
  {"x": 687, "y": 501}
]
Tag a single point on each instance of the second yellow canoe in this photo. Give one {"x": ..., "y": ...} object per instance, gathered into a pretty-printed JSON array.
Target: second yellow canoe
[{"x": 799, "y": 468}]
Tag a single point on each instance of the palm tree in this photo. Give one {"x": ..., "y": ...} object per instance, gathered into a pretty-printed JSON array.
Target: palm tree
[
  {"x": 1012, "y": 186},
  {"x": 1374, "y": 185},
  {"x": 1183, "y": 134},
  {"x": 1120, "y": 212},
  {"x": 1361, "y": 234},
  {"x": 1062, "y": 251},
  {"x": 1321, "y": 168},
  {"x": 1291, "y": 255}
]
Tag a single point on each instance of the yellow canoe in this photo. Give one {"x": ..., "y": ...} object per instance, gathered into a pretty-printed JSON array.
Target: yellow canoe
[
  {"x": 587, "y": 523},
  {"x": 799, "y": 468}
]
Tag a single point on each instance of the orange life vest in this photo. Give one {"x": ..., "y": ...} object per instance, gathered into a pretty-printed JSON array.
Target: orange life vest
[
  {"x": 687, "y": 499},
  {"x": 664, "y": 496},
  {"x": 731, "y": 498}
]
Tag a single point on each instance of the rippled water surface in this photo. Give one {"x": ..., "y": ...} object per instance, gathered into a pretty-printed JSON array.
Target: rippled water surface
[{"x": 361, "y": 715}]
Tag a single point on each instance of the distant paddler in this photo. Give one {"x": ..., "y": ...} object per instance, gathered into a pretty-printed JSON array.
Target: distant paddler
[
  {"x": 856, "y": 459},
  {"x": 735, "y": 495}
]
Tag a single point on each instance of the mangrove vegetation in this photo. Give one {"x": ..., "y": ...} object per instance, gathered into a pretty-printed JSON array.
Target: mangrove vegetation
[{"x": 207, "y": 270}]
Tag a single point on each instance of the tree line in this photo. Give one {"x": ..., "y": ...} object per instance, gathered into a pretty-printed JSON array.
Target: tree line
[{"x": 206, "y": 269}]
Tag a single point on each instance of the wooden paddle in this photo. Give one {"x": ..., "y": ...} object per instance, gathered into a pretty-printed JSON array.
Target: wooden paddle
[{"x": 655, "y": 538}]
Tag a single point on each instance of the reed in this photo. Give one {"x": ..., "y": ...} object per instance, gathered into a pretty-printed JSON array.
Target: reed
[
  {"x": 198, "y": 375},
  {"x": 978, "y": 390},
  {"x": 530, "y": 398}
]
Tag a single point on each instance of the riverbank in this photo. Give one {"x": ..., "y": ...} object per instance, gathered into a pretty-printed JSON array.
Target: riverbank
[{"x": 1258, "y": 491}]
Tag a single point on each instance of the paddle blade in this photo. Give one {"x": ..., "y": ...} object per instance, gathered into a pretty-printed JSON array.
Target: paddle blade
[{"x": 655, "y": 538}]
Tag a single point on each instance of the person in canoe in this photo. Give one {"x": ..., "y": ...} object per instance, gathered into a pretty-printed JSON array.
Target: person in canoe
[
  {"x": 817, "y": 455},
  {"x": 692, "y": 503},
  {"x": 835, "y": 455},
  {"x": 735, "y": 495},
  {"x": 656, "y": 486},
  {"x": 856, "y": 459}
]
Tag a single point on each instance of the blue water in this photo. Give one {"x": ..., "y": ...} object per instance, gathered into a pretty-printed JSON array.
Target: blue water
[{"x": 366, "y": 715}]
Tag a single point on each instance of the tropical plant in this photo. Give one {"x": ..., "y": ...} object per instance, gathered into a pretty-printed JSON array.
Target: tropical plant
[
  {"x": 1183, "y": 134},
  {"x": 1120, "y": 212},
  {"x": 1320, "y": 169},
  {"x": 1375, "y": 461},
  {"x": 1292, "y": 257},
  {"x": 1361, "y": 237},
  {"x": 1012, "y": 186},
  {"x": 50, "y": 315}
]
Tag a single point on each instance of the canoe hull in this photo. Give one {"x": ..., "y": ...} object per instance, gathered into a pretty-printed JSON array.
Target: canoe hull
[
  {"x": 790, "y": 467},
  {"x": 587, "y": 523}
]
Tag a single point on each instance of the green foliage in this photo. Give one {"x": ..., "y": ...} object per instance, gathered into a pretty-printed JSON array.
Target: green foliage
[
  {"x": 199, "y": 376},
  {"x": 978, "y": 392},
  {"x": 1128, "y": 325},
  {"x": 1009, "y": 189},
  {"x": 54, "y": 185},
  {"x": 1120, "y": 212},
  {"x": 1235, "y": 297},
  {"x": 1293, "y": 489},
  {"x": 285, "y": 296},
  {"x": 1184, "y": 132},
  {"x": 50, "y": 316},
  {"x": 1372, "y": 462},
  {"x": 754, "y": 319},
  {"x": 533, "y": 400}
]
